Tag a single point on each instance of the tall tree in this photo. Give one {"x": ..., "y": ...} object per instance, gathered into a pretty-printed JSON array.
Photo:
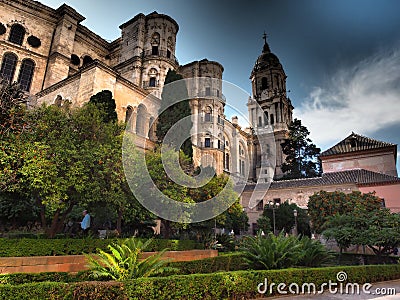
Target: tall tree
[
  {"x": 323, "y": 205},
  {"x": 377, "y": 229},
  {"x": 301, "y": 154},
  {"x": 105, "y": 101},
  {"x": 175, "y": 106}
]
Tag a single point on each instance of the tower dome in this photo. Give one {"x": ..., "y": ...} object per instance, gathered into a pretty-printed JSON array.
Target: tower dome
[{"x": 267, "y": 59}]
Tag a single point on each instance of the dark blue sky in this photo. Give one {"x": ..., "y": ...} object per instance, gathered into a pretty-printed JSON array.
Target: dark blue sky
[{"x": 342, "y": 57}]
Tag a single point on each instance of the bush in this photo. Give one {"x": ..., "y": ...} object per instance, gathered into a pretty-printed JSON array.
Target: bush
[
  {"x": 56, "y": 247},
  {"x": 224, "y": 285},
  {"x": 278, "y": 252},
  {"x": 225, "y": 262},
  {"x": 272, "y": 252},
  {"x": 314, "y": 254},
  {"x": 122, "y": 262}
]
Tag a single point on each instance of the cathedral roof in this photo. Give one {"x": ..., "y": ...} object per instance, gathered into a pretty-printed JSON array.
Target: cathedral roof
[
  {"x": 355, "y": 176},
  {"x": 355, "y": 142}
]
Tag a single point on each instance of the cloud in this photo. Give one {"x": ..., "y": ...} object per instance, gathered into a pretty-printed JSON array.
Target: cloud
[{"x": 363, "y": 98}]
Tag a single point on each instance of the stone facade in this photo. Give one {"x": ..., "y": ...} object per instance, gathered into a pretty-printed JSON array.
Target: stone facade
[
  {"x": 55, "y": 57},
  {"x": 73, "y": 63}
]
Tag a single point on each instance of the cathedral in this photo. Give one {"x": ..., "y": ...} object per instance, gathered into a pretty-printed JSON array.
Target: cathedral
[{"x": 55, "y": 58}]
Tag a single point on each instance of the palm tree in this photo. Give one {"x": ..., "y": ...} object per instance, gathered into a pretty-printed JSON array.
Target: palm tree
[{"x": 123, "y": 262}]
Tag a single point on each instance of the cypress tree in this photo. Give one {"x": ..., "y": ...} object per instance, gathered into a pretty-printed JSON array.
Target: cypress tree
[{"x": 174, "y": 107}]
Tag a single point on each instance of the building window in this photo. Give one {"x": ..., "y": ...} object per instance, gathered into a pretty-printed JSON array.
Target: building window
[
  {"x": 26, "y": 74},
  {"x": 207, "y": 114},
  {"x": 17, "y": 34},
  {"x": 152, "y": 82},
  {"x": 8, "y": 66},
  {"x": 260, "y": 205},
  {"x": 242, "y": 167},
  {"x": 87, "y": 60},
  {"x": 217, "y": 93},
  {"x": 154, "y": 50},
  {"x": 208, "y": 91},
  {"x": 227, "y": 161},
  {"x": 272, "y": 119},
  {"x": 75, "y": 60},
  {"x": 259, "y": 122},
  {"x": 168, "y": 54},
  {"x": 207, "y": 143},
  {"x": 264, "y": 83}
]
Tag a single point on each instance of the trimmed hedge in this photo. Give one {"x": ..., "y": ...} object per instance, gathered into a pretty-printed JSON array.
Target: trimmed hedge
[
  {"x": 352, "y": 259},
  {"x": 226, "y": 262},
  {"x": 56, "y": 247},
  {"x": 224, "y": 285}
]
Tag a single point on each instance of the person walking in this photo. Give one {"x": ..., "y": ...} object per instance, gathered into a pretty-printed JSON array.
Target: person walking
[{"x": 85, "y": 224}]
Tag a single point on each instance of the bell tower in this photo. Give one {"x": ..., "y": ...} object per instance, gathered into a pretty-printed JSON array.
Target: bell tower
[{"x": 268, "y": 81}]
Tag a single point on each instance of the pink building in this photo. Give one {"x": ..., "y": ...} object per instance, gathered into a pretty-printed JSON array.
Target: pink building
[
  {"x": 360, "y": 152},
  {"x": 357, "y": 163}
]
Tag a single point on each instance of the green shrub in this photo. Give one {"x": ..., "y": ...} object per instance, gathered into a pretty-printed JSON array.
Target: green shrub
[
  {"x": 272, "y": 252},
  {"x": 122, "y": 262},
  {"x": 314, "y": 254},
  {"x": 224, "y": 285},
  {"x": 51, "y": 247},
  {"x": 225, "y": 262}
]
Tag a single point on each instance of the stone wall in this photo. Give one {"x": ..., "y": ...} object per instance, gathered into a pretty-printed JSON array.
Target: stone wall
[{"x": 76, "y": 263}]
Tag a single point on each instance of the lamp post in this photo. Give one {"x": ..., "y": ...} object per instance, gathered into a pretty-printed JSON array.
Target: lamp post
[
  {"x": 273, "y": 206},
  {"x": 244, "y": 223},
  {"x": 215, "y": 229},
  {"x": 295, "y": 221}
]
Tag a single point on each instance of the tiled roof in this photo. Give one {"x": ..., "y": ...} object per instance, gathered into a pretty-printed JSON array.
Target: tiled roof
[
  {"x": 356, "y": 176},
  {"x": 355, "y": 142}
]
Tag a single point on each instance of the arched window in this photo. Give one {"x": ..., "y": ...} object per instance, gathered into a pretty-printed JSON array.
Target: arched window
[
  {"x": 8, "y": 66},
  {"x": 208, "y": 114},
  {"x": 17, "y": 34},
  {"x": 259, "y": 121},
  {"x": 128, "y": 118},
  {"x": 141, "y": 120},
  {"x": 87, "y": 60},
  {"x": 75, "y": 60},
  {"x": 153, "y": 77},
  {"x": 26, "y": 74},
  {"x": 155, "y": 42}
]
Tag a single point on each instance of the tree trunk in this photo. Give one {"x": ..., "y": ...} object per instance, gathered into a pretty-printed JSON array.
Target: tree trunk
[
  {"x": 51, "y": 232},
  {"x": 167, "y": 228},
  {"x": 57, "y": 223},
  {"x": 42, "y": 213},
  {"x": 60, "y": 225}
]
